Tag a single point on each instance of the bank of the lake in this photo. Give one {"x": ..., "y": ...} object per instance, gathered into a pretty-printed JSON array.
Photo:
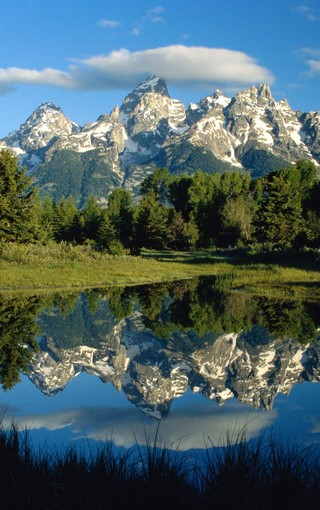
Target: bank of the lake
[
  {"x": 55, "y": 266},
  {"x": 260, "y": 476}
]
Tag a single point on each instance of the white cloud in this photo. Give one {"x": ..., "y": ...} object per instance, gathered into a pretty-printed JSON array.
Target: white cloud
[
  {"x": 179, "y": 65},
  {"x": 109, "y": 23},
  {"x": 186, "y": 429},
  {"x": 314, "y": 66},
  {"x": 47, "y": 76},
  {"x": 312, "y": 63}
]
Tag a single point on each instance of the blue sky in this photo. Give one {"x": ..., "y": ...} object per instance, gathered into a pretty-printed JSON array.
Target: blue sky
[{"x": 86, "y": 56}]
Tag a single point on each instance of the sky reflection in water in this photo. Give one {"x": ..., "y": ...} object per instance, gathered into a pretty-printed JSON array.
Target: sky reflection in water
[{"x": 181, "y": 326}]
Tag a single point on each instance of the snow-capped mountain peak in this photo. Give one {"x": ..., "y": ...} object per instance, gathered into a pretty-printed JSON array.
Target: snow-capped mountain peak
[
  {"x": 260, "y": 94},
  {"x": 45, "y": 124},
  {"x": 150, "y": 129},
  {"x": 197, "y": 111},
  {"x": 152, "y": 84}
]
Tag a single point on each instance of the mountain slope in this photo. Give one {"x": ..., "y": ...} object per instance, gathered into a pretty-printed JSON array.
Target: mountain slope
[{"x": 249, "y": 132}]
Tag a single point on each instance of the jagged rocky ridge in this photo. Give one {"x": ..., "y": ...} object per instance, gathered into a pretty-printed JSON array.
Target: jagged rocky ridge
[
  {"x": 249, "y": 132},
  {"x": 130, "y": 356}
]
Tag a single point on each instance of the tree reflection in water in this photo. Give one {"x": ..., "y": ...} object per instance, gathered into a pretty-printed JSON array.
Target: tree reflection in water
[
  {"x": 181, "y": 318},
  {"x": 18, "y": 330}
]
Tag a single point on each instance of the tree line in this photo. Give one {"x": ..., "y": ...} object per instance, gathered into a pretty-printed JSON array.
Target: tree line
[{"x": 173, "y": 212}]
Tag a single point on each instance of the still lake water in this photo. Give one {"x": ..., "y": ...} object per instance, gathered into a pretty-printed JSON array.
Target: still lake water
[{"x": 199, "y": 360}]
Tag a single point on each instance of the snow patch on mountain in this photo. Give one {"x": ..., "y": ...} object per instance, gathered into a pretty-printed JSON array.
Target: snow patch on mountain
[
  {"x": 149, "y": 120},
  {"x": 45, "y": 124}
]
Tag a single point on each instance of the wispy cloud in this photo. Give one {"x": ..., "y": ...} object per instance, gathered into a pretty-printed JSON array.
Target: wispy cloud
[
  {"x": 312, "y": 56},
  {"x": 109, "y": 23},
  {"x": 313, "y": 52},
  {"x": 153, "y": 16},
  {"x": 314, "y": 67},
  {"x": 309, "y": 11},
  {"x": 179, "y": 65}
]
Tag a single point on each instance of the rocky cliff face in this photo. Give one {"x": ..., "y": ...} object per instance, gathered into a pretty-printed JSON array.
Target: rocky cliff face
[
  {"x": 250, "y": 131},
  {"x": 42, "y": 128}
]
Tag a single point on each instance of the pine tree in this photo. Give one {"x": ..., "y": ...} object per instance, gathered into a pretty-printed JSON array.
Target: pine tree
[
  {"x": 106, "y": 233},
  {"x": 18, "y": 202},
  {"x": 64, "y": 220},
  {"x": 280, "y": 215},
  {"x": 152, "y": 229},
  {"x": 121, "y": 214},
  {"x": 91, "y": 215},
  {"x": 159, "y": 183}
]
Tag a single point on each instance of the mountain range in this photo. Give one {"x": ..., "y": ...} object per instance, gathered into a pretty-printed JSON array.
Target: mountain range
[
  {"x": 252, "y": 366},
  {"x": 250, "y": 132}
]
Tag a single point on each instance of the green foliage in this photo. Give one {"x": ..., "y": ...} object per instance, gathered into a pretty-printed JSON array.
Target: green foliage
[
  {"x": 183, "y": 234},
  {"x": 237, "y": 220},
  {"x": 91, "y": 213},
  {"x": 233, "y": 184},
  {"x": 158, "y": 182},
  {"x": 18, "y": 203},
  {"x": 286, "y": 319},
  {"x": 260, "y": 162},
  {"x": 17, "y": 341},
  {"x": 207, "y": 201},
  {"x": 46, "y": 212},
  {"x": 311, "y": 234},
  {"x": 179, "y": 195},
  {"x": 280, "y": 215},
  {"x": 203, "y": 210},
  {"x": 79, "y": 175},
  {"x": 205, "y": 308},
  {"x": 121, "y": 301},
  {"x": 121, "y": 213},
  {"x": 106, "y": 233},
  {"x": 186, "y": 158},
  {"x": 65, "y": 220},
  {"x": 71, "y": 321},
  {"x": 302, "y": 177},
  {"x": 152, "y": 228}
]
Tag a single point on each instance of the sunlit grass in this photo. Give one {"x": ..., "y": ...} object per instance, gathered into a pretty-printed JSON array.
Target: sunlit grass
[{"x": 62, "y": 265}]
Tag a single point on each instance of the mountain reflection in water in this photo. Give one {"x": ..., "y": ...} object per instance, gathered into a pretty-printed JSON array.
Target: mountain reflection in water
[{"x": 154, "y": 342}]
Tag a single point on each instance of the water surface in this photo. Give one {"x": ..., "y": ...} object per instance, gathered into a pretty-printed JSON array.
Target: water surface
[{"x": 191, "y": 356}]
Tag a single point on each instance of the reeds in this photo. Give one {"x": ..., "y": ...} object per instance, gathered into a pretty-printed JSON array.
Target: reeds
[{"x": 255, "y": 475}]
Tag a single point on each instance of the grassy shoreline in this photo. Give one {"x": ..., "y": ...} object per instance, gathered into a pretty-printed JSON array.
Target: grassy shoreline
[{"x": 63, "y": 266}]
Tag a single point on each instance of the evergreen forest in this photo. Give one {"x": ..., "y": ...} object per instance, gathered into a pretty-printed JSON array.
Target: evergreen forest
[{"x": 279, "y": 210}]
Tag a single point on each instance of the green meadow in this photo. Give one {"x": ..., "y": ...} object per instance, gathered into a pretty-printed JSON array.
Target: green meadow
[{"x": 29, "y": 267}]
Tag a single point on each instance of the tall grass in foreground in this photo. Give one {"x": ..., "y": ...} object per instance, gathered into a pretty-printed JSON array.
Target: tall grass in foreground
[{"x": 245, "y": 475}]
